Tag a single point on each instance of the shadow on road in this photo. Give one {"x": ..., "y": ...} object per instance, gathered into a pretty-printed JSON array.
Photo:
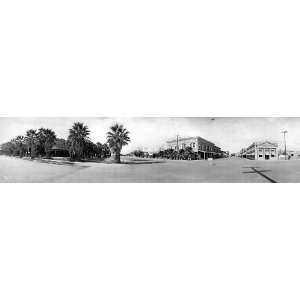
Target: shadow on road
[{"x": 56, "y": 162}]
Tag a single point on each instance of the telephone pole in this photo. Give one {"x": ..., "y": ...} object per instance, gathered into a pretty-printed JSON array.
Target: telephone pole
[
  {"x": 284, "y": 139},
  {"x": 177, "y": 145}
]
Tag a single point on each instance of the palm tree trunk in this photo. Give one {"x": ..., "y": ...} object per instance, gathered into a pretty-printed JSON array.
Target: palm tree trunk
[{"x": 115, "y": 157}]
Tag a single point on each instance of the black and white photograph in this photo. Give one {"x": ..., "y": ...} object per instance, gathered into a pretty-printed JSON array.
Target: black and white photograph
[
  {"x": 140, "y": 142},
  {"x": 132, "y": 150}
]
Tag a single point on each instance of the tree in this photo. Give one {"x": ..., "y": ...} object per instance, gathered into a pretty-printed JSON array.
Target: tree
[
  {"x": 99, "y": 150},
  {"x": 189, "y": 153},
  {"x": 13, "y": 147},
  {"x": 180, "y": 154},
  {"x": 60, "y": 148},
  {"x": 77, "y": 140},
  {"x": 90, "y": 150},
  {"x": 31, "y": 142},
  {"x": 46, "y": 140},
  {"x": 8, "y": 148},
  {"x": 117, "y": 137},
  {"x": 169, "y": 153},
  {"x": 105, "y": 151},
  {"x": 20, "y": 145}
]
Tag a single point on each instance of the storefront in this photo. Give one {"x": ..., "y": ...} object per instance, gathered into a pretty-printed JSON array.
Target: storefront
[
  {"x": 202, "y": 148},
  {"x": 262, "y": 151}
]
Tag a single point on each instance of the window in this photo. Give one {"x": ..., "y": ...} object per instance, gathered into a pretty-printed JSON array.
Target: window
[{"x": 260, "y": 155}]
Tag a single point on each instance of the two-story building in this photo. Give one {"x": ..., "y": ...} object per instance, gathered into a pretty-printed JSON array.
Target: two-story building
[
  {"x": 203, "y": 148},
  {"x": 261, "y": 151}
]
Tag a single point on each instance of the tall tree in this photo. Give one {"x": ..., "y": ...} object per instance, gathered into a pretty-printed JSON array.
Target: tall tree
[
  {"x": 46, "y": 140},
  {"x": 31, "y": 142},
  {"x": 77, "y": 140},
  {"x": 99, "y": 149},
  {"x": 117, "y": 137},
  {"x": 105, "y": 152}
]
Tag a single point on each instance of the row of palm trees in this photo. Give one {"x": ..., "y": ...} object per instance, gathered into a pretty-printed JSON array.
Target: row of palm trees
[
  {"x": 34, "y": 143},
  {"x": 40, "y": 143}
]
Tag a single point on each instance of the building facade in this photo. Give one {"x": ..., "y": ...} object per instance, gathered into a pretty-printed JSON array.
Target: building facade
[
  {"x": 260, "y": 151},
  {"x": 203, "y": 148}
]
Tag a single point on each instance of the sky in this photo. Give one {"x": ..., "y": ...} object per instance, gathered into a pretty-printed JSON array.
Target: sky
[{"x": 149, "y": 134}]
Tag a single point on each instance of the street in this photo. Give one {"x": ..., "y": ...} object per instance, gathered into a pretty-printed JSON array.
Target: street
[{"x": 147, "y": 170}]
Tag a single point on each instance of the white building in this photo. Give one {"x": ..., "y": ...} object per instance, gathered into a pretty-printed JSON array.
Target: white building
[
  {"x": 203, "y": 148},
  {"x": 261, "y": 151}
]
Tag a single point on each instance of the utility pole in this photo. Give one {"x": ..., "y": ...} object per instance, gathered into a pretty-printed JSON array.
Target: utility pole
[
  {"x": 177, "y": 145},
  {"x": 284, "y": 139}
]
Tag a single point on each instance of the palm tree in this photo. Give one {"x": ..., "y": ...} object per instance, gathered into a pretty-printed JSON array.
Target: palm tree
[
  {"x": 31, "y": 142},
  {"x": 77, "y": 140},
  {"x": 46, "y": 139},
  {"x": 117, "y": 137}
]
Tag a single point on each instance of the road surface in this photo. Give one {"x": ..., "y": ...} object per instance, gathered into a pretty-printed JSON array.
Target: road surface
[{"x": 131, "y": 170}]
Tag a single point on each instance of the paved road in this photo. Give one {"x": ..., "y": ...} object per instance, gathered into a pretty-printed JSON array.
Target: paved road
[
  {"x": 19, "y": 170},
  {"x": 223, "y": 170}
]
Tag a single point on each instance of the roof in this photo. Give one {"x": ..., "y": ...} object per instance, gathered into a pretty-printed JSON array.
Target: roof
[
  {"x": 181, "y": 139},
  {"x": 261, "y": 144},
  {"x": 266, "y": 142},
  {"x": 58, "y": 148},
  {"x": 190, "y": 138}
]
